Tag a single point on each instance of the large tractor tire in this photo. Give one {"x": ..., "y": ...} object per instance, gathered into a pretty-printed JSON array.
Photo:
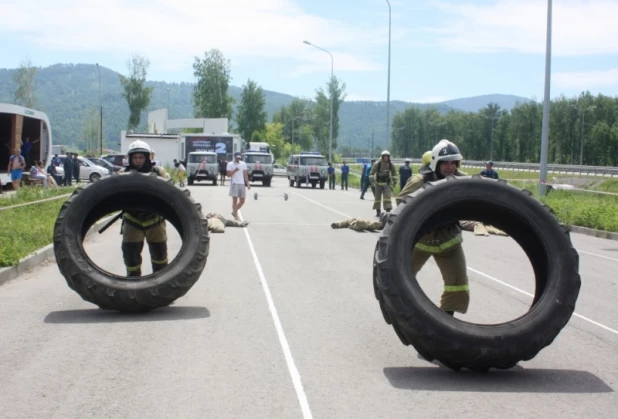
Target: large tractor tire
[
  {"x": 457, "y": 344},
  {"x": 123, "y": 192}
]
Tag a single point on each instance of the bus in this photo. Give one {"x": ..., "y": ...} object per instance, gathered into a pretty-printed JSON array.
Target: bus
[{"x": 18, "y": 124}]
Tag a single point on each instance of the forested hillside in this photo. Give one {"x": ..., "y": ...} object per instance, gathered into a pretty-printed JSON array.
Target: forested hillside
[{"x": 69, "y": 94}]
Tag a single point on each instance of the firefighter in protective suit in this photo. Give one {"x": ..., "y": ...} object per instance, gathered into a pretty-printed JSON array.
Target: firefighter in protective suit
[
  {"x": 443, "y": 243},
  {"x": 383, "y": 178},
  {"x": 138, "y": 225}
]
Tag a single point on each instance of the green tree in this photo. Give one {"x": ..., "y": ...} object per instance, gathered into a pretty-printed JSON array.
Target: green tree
[
  {"x": 90, "y": 131},
  {"x": 321, "y": 122},
  {"x": 135, "y": 92},
  {"x": 272, "y": 134},
  {"x": 210, "y": 96},
  {"x": 251, "y": 114},
  {"x": 24, "y": 78}
]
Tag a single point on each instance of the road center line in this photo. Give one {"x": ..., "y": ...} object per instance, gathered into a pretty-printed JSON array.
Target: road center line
[
  {"x": 296, "y": 380},
  {"x": 602, "y": 326},
  {"x": 597, "y": 255}
]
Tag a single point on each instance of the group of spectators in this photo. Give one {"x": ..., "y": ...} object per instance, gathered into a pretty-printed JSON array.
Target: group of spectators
[{"x": 50, "y": 176}]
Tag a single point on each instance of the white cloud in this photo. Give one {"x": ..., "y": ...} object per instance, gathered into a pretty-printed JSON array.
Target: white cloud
[
  {"x": 579, "y": 27},
  {"x": 178, "y": 30},
  {"x": 586, "y": 80}
]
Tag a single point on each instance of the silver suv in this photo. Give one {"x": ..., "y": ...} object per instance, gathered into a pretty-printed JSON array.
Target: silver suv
[
  {"x": 202, "y": 165},
  {"x": 259, "y": 166}
]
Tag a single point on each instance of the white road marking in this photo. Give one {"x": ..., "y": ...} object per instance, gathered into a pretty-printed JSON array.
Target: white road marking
[
  {"x": 296, "y": 380},
  {"x": 609, "y": 329},
  {"x": 322, "y": 205},
  {"x": 599, "y": 256},
  {"x": 602, "y": 326},
  {"x": 287, "y": 224}
]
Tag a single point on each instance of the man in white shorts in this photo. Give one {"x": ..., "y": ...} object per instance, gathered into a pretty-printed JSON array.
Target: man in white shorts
[{"x": 237, "y": 171}]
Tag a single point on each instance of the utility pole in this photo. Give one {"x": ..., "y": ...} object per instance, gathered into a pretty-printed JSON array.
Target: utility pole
[
  {"x": 372, "y": 146},
  {"x": 100, "y": 112},
  {"x": 388, "y": 84},
  {"x": 545, "y": 130}
]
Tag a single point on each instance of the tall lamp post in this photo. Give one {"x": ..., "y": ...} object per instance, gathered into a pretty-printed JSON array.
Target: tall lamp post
[
  {"x": 545, "y": 130},
  {"x": 581, "y": 151},
  {"x": 491, "y": 142},
  {"x": 330, "y": 140},
  {"x": 388, "y": 83},
  {"x": 100, "y": 112}
]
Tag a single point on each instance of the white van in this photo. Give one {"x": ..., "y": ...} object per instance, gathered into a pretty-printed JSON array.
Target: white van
[{"x": 202, "y": 165}]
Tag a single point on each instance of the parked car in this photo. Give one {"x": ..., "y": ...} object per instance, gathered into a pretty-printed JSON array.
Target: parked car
[
  {"x": 116, "y": 159},
  {"x": 87, "y": 170},
  {"x": 106, "y": 164},
  {"x": 280, "y": 170}
]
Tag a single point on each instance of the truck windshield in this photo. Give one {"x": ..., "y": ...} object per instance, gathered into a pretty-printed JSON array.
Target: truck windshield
[
  {"x": 198, "y": 158},
  {"x": 258, "y": 158},
  {"x": 313, "y": 161}
]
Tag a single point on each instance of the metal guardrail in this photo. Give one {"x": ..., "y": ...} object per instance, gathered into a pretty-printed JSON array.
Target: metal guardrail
[{"x": 529, "y": 167}]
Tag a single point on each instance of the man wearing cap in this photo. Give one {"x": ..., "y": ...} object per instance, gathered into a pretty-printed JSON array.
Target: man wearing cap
[
  {"x": 489, "y": 170},
  {"x": 239, "y": 180},
  {"x": 405, "y": 173}
]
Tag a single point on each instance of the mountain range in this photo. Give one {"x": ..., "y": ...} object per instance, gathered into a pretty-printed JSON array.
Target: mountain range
[{"x": 67, "y": 92}]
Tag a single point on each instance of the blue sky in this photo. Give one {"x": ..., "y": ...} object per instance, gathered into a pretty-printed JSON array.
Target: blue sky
[{"x": 439, "y": 50}]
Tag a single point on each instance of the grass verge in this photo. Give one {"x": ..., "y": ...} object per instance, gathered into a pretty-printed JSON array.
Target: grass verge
[
  {"x": 26, "y": 229},
  {"x": 33, "y": 193}
]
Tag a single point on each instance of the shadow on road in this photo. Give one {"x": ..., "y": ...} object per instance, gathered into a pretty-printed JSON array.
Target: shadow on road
[
  {"x": 516, "y": 380},
  {"x": 109, "y": 316}
]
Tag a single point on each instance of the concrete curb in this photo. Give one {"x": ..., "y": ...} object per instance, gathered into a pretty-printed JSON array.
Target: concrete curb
[
  {"x": 596, "y": 233},
  {"x": 38, "y": 257}
]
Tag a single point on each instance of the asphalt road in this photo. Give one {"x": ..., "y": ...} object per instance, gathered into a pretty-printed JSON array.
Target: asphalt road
[{"x": 283, "y": 324}]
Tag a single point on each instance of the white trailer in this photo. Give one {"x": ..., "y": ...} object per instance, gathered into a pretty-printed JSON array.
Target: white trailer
[{"x": 16, "y": 124}]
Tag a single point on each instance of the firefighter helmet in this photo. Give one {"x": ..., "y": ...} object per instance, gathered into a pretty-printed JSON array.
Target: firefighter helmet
[
  {"x": 139, "y": 146},
  {"x": 444, "y": 151},
  {"x": 426, "y": 158}
]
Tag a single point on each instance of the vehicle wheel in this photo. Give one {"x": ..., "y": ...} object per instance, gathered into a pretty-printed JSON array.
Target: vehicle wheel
[
  {"x": 266, "y": 182},
  {"x": 458, "y": 344},
  {"x": 322, "y": 182},
  {"x": 214, "y": 182},
  {"x": 132, "y": 190},
  {"x": 94, "y": 177},
  {"x": 314, "y": 184},
  {"x": 190, "y": 180},
  {"x": 291, "y": 182},
  {"x": 298, "y": 183}
]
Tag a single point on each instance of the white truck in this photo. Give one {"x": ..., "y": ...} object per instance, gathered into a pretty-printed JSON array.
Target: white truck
[
  {"x": 307, "y": 167},
  {"x": 259, "y": 166},
  {"x": 202, "y": 165}
]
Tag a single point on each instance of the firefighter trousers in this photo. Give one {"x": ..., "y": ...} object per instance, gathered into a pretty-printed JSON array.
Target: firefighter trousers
[
  {"x": 452, "y": 264},
  {"x": 133, "y": 244},
  {"x": 383, "y": 195}
]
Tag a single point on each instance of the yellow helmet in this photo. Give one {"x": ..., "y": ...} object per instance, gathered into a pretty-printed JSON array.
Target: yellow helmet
[{"x": 426, "y": 158}]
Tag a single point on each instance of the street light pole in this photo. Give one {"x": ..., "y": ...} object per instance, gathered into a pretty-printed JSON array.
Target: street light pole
[
  {"x": 491, "y": 141},
  {"x": 545, "y": 130},
  {"x": 100, "y": 112},
  {"x": 330, "y": 139},
  {"x": 168, "y": 102},
  {"x": 581, "y": 151},
  {"x": 388, "y": 83}
]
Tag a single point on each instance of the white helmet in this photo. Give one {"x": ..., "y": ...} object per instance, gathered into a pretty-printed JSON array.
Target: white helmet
[
  {"x": 385, "y": 153},
  {"x": 444, "y": 151},
  {"x": 139, "y": 146}
]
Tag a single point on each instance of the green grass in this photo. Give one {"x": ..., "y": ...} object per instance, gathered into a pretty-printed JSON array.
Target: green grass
[
  {"x": 26, "y": 229},
  {"x": 31, "y": 194},
  {"x": 610, "y": 185},
  {"x": 578, "y": 208}
]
